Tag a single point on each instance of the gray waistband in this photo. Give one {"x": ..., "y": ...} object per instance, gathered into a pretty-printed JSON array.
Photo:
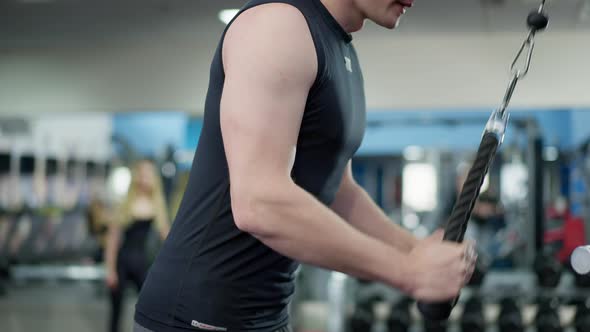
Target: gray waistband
[{"x": 139, "y": 328}]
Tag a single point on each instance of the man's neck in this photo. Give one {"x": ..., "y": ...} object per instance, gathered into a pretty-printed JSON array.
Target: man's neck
[{"x": 345, "y": 13}]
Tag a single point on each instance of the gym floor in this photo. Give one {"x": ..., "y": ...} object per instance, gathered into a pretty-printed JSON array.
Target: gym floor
[
  {"x": 83, "y": 307},
  {"x": 58, "y": 307}
]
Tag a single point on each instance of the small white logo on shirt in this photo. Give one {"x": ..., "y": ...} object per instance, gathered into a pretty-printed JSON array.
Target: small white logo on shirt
[
  {"x": 348, "y": 64},
  {"x": 207, "y": 327}
]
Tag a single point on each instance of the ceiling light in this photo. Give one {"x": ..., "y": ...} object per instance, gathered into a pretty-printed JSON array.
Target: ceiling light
[{"x": 227, "y": 15}]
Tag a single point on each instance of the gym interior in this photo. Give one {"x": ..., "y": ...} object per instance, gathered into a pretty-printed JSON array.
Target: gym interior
[{"x": 87, "y": 88}]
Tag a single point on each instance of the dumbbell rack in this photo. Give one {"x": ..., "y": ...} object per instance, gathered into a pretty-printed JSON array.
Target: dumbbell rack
[{"x": 518, "y": 285}]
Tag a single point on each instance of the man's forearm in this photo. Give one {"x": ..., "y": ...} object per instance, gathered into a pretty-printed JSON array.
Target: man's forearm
[
  {"x": 354, "y": 205},
  {"x": 296, "y": 225}
]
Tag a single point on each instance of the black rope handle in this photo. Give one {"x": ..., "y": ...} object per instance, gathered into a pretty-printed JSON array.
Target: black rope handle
[{"x": 457, "y": 223}]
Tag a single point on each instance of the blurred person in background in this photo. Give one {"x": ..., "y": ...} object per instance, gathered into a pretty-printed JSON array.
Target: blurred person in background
[
  {"x": 98, "y": 216},
  {"x": 488, "y": 228},
  {"x": 127, "y": 257},
  {"x": 178, "y": 193}
]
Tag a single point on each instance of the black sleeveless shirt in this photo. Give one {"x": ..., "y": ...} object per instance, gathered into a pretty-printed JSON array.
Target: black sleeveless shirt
[{"x": 209, "y": 275}]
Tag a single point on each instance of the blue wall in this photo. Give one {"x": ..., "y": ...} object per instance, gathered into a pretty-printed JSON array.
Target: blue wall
[
  {"x": 391, "y": 132},
  {"x": 150, "y": 132},
  {"x": 580, "y": 125},
  {"x": 388, "y": 132},
  {"x": 193, "y": 131},
  {"x": 556, "y": 126}
]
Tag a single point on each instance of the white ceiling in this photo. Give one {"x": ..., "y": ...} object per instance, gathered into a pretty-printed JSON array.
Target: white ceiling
[
  {"x": 125, "y": 55},
  {"x": 34, "y": 22}
]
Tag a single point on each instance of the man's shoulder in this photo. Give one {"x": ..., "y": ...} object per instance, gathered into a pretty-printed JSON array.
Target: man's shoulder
[
  {"x": 280, "y": 15},
  {"x": 275, "y": 33}
]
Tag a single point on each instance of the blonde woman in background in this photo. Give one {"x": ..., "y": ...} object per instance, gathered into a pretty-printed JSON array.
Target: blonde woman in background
[
  {"x": 126, "y": 253},
  {"x": 178, "y": 193}
]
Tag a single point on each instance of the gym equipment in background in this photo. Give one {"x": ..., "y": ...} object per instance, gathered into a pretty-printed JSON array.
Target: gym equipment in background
[
  {"x": 547, "y": 317},
  {"x": 510, "y": 317},
  {"x": 400, "y": 318},
  {"x": 581, "y": 260},
  {"x": 473, "y": 319}
]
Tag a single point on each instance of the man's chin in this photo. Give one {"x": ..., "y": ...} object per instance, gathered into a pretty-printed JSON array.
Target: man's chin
[
  {"x": 393, "y": 22},
  {"x": 392, "y": 25}
]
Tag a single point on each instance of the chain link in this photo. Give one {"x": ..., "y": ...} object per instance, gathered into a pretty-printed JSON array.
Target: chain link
[{"x": 528, "y": 45}]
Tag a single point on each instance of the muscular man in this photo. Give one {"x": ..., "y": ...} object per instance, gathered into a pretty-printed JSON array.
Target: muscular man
[{"x": 271, "y": 184}]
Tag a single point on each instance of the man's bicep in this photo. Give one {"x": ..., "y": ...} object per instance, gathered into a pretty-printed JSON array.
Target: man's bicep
[
  {"x": 259, "y": 132},
  {"x": 265, "y": 91}
]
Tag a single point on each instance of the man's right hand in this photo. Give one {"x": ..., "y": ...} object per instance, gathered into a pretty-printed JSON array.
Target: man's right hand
[{"x": 437, "y": 269}]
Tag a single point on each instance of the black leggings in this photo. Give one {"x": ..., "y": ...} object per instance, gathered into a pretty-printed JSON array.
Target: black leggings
[{"x": 131, "y": 267}]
